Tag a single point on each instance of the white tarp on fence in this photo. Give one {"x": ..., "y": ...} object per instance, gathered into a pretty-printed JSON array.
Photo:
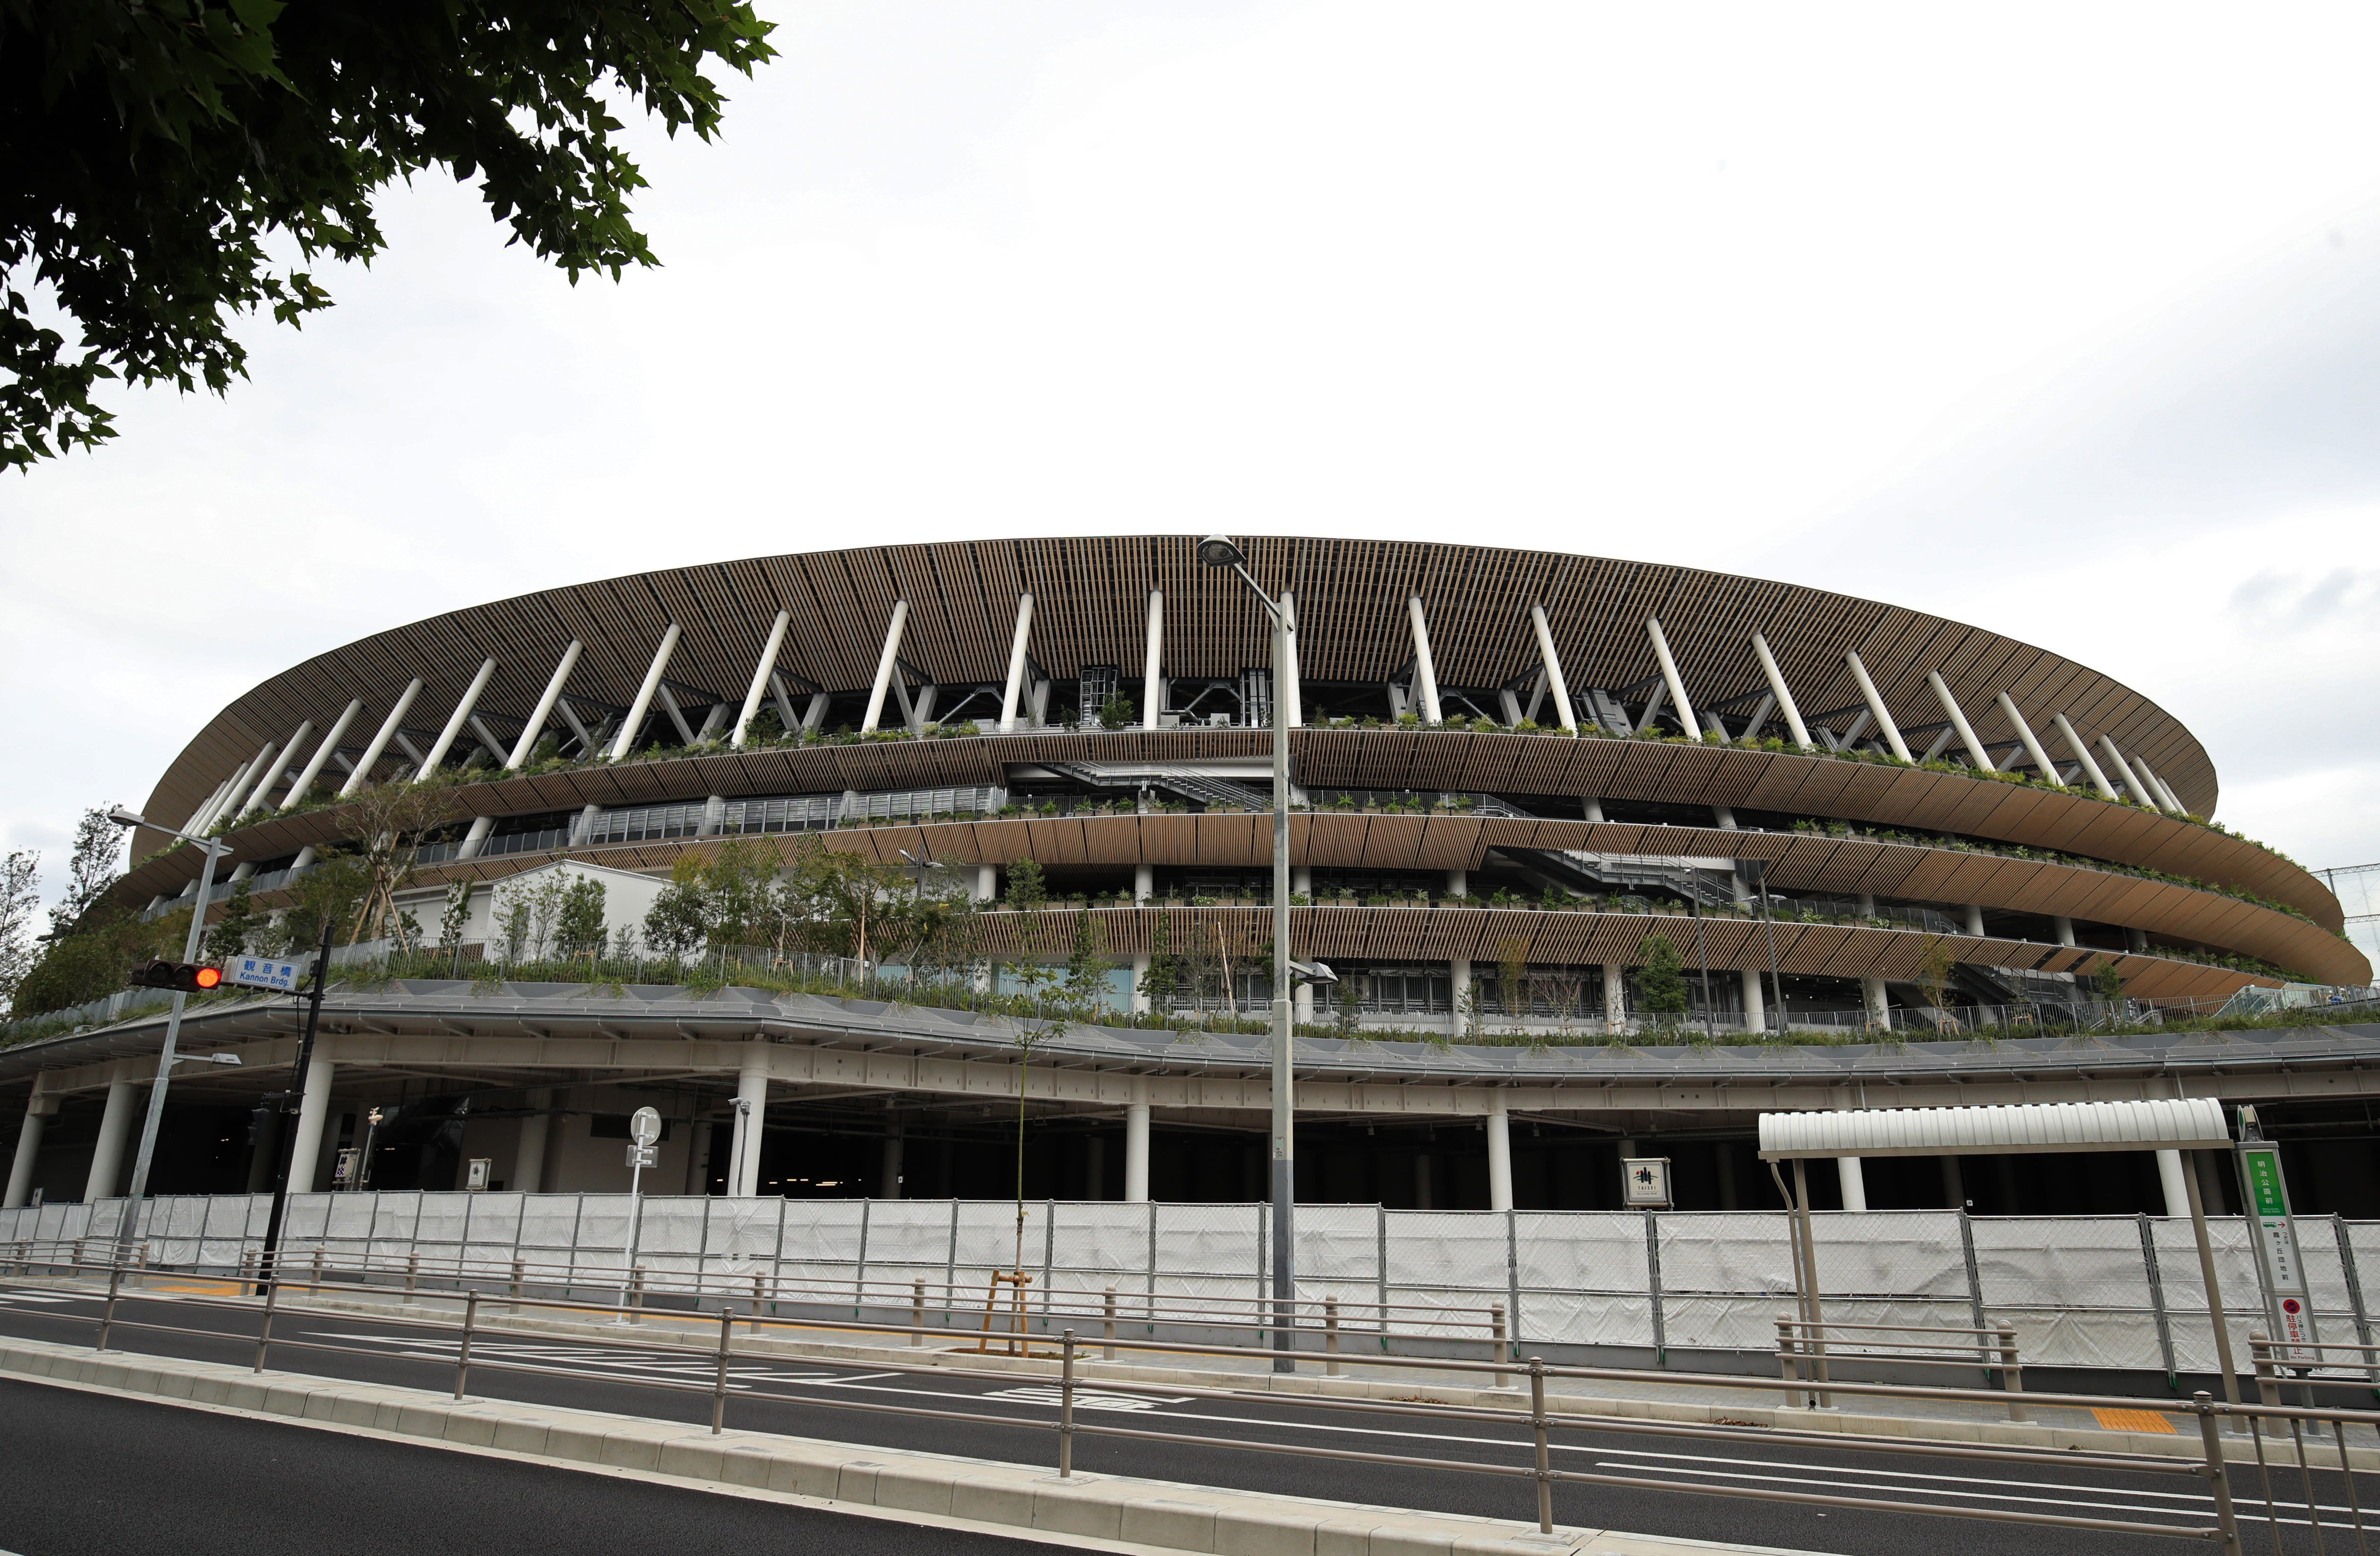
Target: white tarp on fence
[{"x": 2091, "y": 1291}]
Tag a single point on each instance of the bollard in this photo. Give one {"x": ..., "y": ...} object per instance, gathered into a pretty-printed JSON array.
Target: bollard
[
  {"x": 1545, "y": 1461},
  {"x": 514, "y": 1305},
  {"x": 1496, "y": 1330},
  {"x": 2226, "y": 1520},
  {"x": 318, "y": 1269},
  {"x": 1786, "y": 1364},
  {"x": 917, "y": 1311},
  {"x": 108, "y": 1317},
  {"x": 412, "y": 1272},
  {"x": 719, "y": 1381},
  {"x": 78, "y": 1257},
  {"x": 1330, "y": 1336},
  {"x": 1066, "y": 1406},
  {"x": 759, "y": 1295},
  {"x": 2011, "y": 1375},
  {"x": 1109, "y": 1354},
  {"x": 264, "y": 1330},
  {"x": 636, "y": 1295},
  {"x": 463, "y": 1356}
]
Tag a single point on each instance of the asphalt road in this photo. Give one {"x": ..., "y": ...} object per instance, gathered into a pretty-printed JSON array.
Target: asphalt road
[
  {"x": 92, "y": 1476},
  {"x": 822, "y": 1399}
]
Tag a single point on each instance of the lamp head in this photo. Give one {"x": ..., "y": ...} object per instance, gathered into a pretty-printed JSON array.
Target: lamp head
[
  {"x": 1220, "y": 551},
  {"x": 124, "y": 817}
]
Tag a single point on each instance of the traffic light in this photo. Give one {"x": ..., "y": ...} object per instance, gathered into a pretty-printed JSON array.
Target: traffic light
[{"x": 190, "y": 978}]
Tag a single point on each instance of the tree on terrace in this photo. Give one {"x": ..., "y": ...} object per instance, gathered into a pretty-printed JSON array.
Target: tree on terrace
[{"x": 160, "y": 158}]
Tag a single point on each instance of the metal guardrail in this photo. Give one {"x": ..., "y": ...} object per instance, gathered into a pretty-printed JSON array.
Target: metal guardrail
[
  {"x": 2210, "y": 1465},
  {"x": 1811, "y": 1345}
]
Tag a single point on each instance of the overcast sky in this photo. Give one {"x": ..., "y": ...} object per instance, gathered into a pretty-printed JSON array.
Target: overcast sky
[{"x": 2060, "y": 319}]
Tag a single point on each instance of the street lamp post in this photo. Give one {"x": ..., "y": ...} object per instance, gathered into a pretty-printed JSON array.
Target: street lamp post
[
  {"x": 214, "y": 850},
  {"x": 1216, "y": 551}
]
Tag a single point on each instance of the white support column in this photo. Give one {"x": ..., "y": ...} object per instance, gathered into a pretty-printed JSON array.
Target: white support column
[
  {"x": 1975, "y": 751},
  {"x": 1593, "y": 807},
  {"x": 1152, "y": 682},
  {"x": 455, "y": 721},
  {"x": 635, "y": 718},
  {"x": 1291, "y": 676},
  {"x": 760, "y": 674},
  {"x": 107, "y": 1155},
  {"x": 2134, "y": 786},
  {"x": 987, "y": 882},
  {"x": 313, "y": 1119},
  {"x": 1425, "y": 667},
  {"x": 2136, "y": 941},
  {"x": 38, "y": 1110},
  {"x": 1459, "y": 990},
  {"x": 1855, "y": 1182},
  {"x": 1552, "y": 662},
  {"x": 362, "y": 775},
  {"x": 203, "y": 816},
  {"x": 2177, "y": 1194},
  {"x": 535, "y": 729},
  {"x": 751, "y": 1087},
  {"x": 1974, "y": 920},
  {"x": 1499, "y": 1154},
  {"x": 887, "y": 665},
  {"x": 1140, "y": 984},
  {"x": 313, "y": 770},
  {"x": 1144, "y": 882},
  {"x": 528, "y": 1155},
  {"x": 2032, "y": 746},
  {"x": 1725, "y": 816},
  {"x": 1136, "y": 1145},
  {"x": 2159, "y": 787},
  {"x": 246, "y": 800},
  {"x": 1615, "y": 998},
  {"x": 1776, "y": 689},
  {"x": 275, "y": 770},
  {"x": 1458, "y": 883},
  {"x": 1756, "y": 1001},
  {"x": 2082, "y": 750},
  {"x": 1879, "y": 1005},
  {"x": 2063, "y": 928},
  {"x": 1876, "y": 708},
  {"x": 1017, "y": 644},
  {"x": 476, "y": 838},
  {"x": 1684, "y": 706}
]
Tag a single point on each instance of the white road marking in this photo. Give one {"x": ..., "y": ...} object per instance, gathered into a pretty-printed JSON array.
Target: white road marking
[
  {"x": 1085, "y": 1399},
  {"x": 34, "y": 1296}
]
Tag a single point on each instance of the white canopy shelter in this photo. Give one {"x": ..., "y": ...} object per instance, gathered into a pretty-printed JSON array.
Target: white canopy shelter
[{"x": 2175, "y": 1125}]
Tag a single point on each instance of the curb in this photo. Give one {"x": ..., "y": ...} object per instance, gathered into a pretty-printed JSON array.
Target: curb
[{"x": 1164, "y": 1514}]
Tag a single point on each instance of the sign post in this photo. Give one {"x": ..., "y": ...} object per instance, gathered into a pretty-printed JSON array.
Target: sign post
[
  {"x": 644, "y": 1134},
  {"x": 2278, "y": 1264}
]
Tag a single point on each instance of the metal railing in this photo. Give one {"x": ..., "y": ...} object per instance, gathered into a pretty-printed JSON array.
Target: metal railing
[
  {"x": 1806, "y": 1347},
  {"x": 1531, "y": 1460}
]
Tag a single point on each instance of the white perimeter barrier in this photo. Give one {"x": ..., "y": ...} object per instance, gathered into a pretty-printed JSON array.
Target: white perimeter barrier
[{"x": 2082, "y": 1291}]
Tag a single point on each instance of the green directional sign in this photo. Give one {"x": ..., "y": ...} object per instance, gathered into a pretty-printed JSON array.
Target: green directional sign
[
  {"x": 2279, "y": 1264},
  {"x": 2261, "y": 1168}
]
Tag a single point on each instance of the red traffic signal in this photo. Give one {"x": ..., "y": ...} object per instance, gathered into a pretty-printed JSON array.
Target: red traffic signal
[{"x": 189, "y": 978}]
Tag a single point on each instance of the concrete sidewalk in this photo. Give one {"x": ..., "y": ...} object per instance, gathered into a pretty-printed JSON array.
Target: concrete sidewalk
[{"x": 1107, "y": 1512}]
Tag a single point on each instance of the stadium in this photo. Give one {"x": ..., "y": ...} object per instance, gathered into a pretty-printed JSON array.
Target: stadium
[{"x": 1607, "y": 857}]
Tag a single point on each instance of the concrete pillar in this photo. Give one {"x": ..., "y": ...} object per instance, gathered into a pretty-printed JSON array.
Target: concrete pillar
[
  {"x": 1723, "y": 1168},
  {"x": 1678, "y": 699},
  {"x": 1847, "y": 1168},
  {"x": 1724, "y": 816},
  {"x": 1301, "y": 1005},
  {"x": 107, "y": 1157},
  {"x": 1152, "y": 679},
  {"x": 1018, "y": 645},
  {"x": 455, "y": 721},
  {"x": 1756, "y": 1001},
  {"x": 762, "y": 670},
  {"x": 2090, "y": 770},
  {"x": 379, "y": 743},
  {"x": 1975, "y": 752},
  {"x": 1425, "y": 667},
  {"x": 313, "y": 770},
  {"x": 2032, "y": 746},
  {"x": 1879, "y": 1008},
  {"x": 2064, "y": 927},
  {"x": 1458, "y": 883},
  {"x": 529, "y": 1156},
  {"x": 1876, "y": 707},
  {"x": 1954, "y": 1183},
  {"x": 1421, "y": 1182},
  {"x": 889, "y": 1171},
  {"x": 1144, "y": 882},
  {"x": 275, "y": 770},
  {"x": 1499, "y": 1154},
  {"x": 987, "y": 882},
  {"x": 2137, "y": 942},
  {"x": 313, "y": 1115},
  {"x": 1552, "y": 662},
  {"x": 1975, "y": 920},
  {"x": 1300, "y": 880},
  {"x": 29, "y": 1151},
  {"x": 752, "y": 1087},
  {"x": 1136, "y": 1145},
  {"x": 1594, "y": 808},
  {"x": 265, "y": 1151},
  {"x": 1459, "y": 985},
  {"x": 635, "y": 718},
  {"x": 1140, "y": 985},
  {"x": 1785, "y": 703},
  {"x": 1615, "y": 998},
  {"x": 2177, "y": 1192}
]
